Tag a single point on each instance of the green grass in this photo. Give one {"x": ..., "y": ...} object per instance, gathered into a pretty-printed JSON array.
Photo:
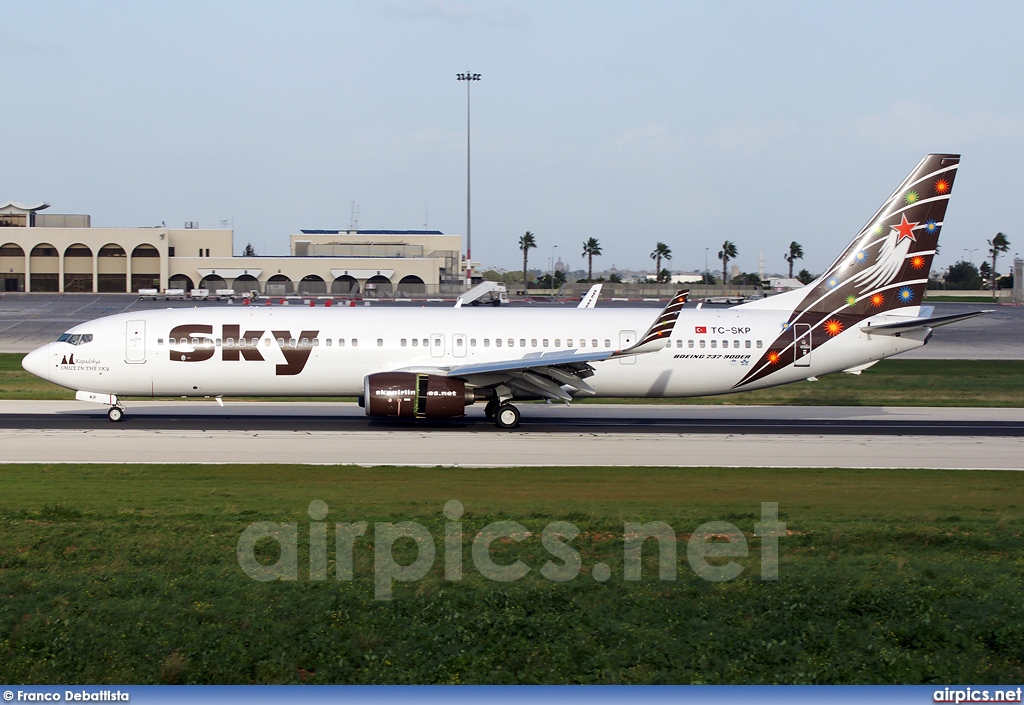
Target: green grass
[
  {"x": 997, "y": 383},
  {"x": 128, "y": 574}
]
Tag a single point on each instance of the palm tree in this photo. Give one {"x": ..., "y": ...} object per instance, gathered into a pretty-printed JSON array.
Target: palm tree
[
  {"x": 795, "y": 252},
  {"x": 999, "y": 244},
  {"x": 591, "y": 249},
  {"x": 727, "y": 253},
  {"x": 526, "y": 243},
  {"x": 661, "y": 251}
]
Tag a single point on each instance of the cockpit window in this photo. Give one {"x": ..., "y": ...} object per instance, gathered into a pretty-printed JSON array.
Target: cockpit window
[{"x": 75, "y": 339}]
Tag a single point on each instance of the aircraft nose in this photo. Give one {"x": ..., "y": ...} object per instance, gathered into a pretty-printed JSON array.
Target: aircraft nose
[{"x": 38, "y": 362}]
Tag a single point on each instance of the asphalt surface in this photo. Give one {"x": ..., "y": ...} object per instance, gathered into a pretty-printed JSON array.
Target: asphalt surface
[
  {"x": 591, "y": 435},
  {"x": 30, "y": 320}
]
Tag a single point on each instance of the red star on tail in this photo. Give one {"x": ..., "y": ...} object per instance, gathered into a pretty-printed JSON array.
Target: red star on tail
[{"x": 905, "y": 230}]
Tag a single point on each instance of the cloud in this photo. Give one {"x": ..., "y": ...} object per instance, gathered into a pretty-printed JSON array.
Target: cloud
[
  {"x": 644, "y": 133},
  {"x": 460, "y": 13},
  {"x": 18, "y": 45},
  {"x": 909, "y": 122},
  {"x": 747, "y": 134}
]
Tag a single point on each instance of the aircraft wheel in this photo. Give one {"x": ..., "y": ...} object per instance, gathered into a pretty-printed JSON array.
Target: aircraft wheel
[
  {"x": 491, "y": 409},
  {"x": 507, "y": 417},
  {"x": 115, "y": 413}
]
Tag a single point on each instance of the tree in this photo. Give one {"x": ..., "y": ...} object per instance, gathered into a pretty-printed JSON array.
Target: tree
[
  {"x": 963, "y": 275},
  {"x": 591, "y": 249},
  {"x": 747, "y": 279},
  {"x": 526, "y": 243},
  {"x": 661, "y": 251},
  {"x": 795, "y": 252},
  {"x": 727, "y": 253},
  {"x": 614, "y": 278},
  {"x": 805, "y": 277},
  {"x": 249, "y": 250},
  {"x": 999, "y": 244}
]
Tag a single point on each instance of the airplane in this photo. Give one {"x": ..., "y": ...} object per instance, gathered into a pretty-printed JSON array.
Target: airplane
[{"x": 432, "y": 363}]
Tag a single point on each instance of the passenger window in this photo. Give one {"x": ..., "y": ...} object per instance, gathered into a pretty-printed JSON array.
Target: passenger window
[
  {"x": 316, "y": 342},
  {"x": 545, "y": 341},
  {"x": 748, "y": 344},
  {"x": 328, "y": 341},
  {"x": 304, "y": 342},
  {"x": 159, "y": 341},
  {"x": 759, "y": 344},
  {"x": 255, "y": 342},
  {"x": 583, "y": 342},
  {"x": 714, "y": 343},
  {"x": 487, "y": 342},
  {"x": 736, "y": 344},
  {"x": 497, "y": 342},
  {"x": 593, "y": 343},
  {"x": 679, "y": 343},
  {"x": 458, "y": 341},
  {"x": 533, "y": 342},
  {"x": 415, "y": 342},
  {"x": 689, "y": 343},
  {"x": 558, "y": 343},
  {"x": 702, "y": 342},
  {"x": 472, "y": 342},
  {"x": 341, "y": 342},
  {"x": 568, "y": 343},
  {"x": 291, "y": 342},
  {"x": 425, "y": 343},
  {"x": 403, "y": 342},
  {"x": 355, "y": 342},
  {"x": 607, "y": 343},
  {"x": 522, "y": 342},
  {"x": 266, "y": 342},
  {"x": 380, "y": 342},
  {"x": 230, "y": 343},
  {"x": 280, "y": 342},
  {"x": 725, "y": 343}
]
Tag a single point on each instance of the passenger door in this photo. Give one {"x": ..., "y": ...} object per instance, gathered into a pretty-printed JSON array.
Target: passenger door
[
  {"x": 135, "y": 342},
  {"x": 802, "y": 345},
  {"x": 626, "y": 339}
]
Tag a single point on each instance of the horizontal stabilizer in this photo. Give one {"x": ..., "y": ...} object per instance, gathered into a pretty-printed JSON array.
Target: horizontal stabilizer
[{"x": 913, "y": 324}]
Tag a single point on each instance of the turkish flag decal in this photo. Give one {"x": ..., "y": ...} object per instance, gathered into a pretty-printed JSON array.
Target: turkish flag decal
[{"x": 701, "y": 329}]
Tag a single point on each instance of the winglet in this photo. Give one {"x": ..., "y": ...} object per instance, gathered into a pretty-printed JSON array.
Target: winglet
[
  {"x": 590, "y": 299},
  {"x": 657, "y": 336}
]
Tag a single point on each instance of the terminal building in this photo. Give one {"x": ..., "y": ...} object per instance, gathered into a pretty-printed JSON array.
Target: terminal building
[{"x": 44, "y": 252}]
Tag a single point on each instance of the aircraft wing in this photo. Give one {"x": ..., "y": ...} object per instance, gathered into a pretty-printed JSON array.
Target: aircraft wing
[
  {"x": 544, "y": 374},
  {"x": 900, "y": 327}
]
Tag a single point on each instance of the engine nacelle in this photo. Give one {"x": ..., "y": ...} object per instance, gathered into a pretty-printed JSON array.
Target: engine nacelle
[{"x": 415, "y": 396}]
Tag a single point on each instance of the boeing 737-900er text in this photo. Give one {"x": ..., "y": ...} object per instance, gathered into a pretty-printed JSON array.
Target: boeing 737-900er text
[{"x": 433, "y": 362}]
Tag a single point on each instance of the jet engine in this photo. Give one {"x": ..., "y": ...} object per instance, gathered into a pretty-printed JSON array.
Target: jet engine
[{"x": 415, "y": 396}]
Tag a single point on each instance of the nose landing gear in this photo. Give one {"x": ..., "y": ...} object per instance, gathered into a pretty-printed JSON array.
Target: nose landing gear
[{"x": 115, "y": 413}]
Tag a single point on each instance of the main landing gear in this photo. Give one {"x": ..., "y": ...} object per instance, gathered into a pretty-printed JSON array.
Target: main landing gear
[
  {"x": 115, "y": 413},
  {"x": 504, "y": 415},
  {"x": 507, "y": 417}
]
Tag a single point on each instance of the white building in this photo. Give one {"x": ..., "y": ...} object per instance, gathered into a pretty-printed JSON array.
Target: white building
[{"x": 63, "y": 253}]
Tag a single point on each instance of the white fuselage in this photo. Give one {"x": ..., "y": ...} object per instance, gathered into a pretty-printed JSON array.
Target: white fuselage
[{"x": 329, "y": 351}]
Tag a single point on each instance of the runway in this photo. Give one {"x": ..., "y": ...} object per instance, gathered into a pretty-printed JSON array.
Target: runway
[{"x": 584, "y": 435}]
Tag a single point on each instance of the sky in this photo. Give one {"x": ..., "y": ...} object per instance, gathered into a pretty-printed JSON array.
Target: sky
[{"x": 688, "y": 123}]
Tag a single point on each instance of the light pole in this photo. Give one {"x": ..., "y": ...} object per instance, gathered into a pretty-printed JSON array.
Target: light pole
[
  {"x": 972, "y": 250},
  {"x": 468, "y": 78},
  {"x": 706, "y": 265},
  {"x": 553, "y": 266}
]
